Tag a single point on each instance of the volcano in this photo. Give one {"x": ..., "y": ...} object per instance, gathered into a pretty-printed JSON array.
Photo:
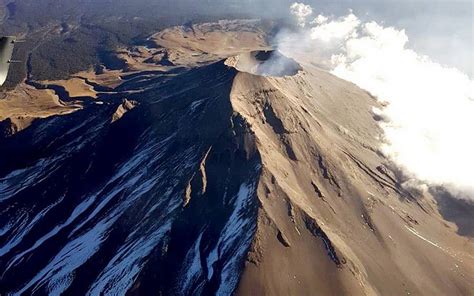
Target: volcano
[{"x": 218, "y": 170}]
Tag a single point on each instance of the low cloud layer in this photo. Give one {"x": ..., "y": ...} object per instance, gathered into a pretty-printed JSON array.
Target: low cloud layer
[{"x": 429, "y": 107}]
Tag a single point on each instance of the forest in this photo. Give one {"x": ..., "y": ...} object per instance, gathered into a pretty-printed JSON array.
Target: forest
[{"x": 66, "y": 37}]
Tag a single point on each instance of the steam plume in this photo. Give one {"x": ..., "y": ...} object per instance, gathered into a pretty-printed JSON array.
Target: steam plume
[
  {"x": 430, "y": 107},
  {"x": 301, "y": 12}
]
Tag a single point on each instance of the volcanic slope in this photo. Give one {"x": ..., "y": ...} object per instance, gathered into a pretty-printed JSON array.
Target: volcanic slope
[
  {"x": 219, "y": 181},
  {"x": 333, "y": 216}
]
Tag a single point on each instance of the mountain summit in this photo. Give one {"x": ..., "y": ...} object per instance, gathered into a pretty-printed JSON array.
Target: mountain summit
[{"x": 205, "y": 167}]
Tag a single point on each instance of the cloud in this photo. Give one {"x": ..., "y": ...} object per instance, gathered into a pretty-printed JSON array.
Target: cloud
[
  {"x": 429, "y": 107},
  {"x": 342, "y": 28},
  {"x": 301, "y": 11}
]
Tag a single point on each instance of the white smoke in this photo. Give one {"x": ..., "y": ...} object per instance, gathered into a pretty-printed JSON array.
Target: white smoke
[
  {"x": 429, "y": 107},
  {"x": 342, "y": 28},
  {"x": 301, "y": 12}
]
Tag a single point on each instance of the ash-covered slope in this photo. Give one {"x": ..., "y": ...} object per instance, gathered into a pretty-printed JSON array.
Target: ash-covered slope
[
  {"x": 333, "y": 216},
  {"x": 219, "y": 182}
]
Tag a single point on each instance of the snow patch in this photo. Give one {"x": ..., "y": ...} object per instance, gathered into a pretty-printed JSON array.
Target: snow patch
[{"x": 234, "y": 241}]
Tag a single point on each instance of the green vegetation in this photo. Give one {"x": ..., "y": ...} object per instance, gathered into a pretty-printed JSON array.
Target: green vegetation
[{"x": 65, "y": 37}]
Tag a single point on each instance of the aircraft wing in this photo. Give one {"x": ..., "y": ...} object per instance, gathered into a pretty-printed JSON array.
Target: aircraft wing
[{"x": 6, "y": 51}]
